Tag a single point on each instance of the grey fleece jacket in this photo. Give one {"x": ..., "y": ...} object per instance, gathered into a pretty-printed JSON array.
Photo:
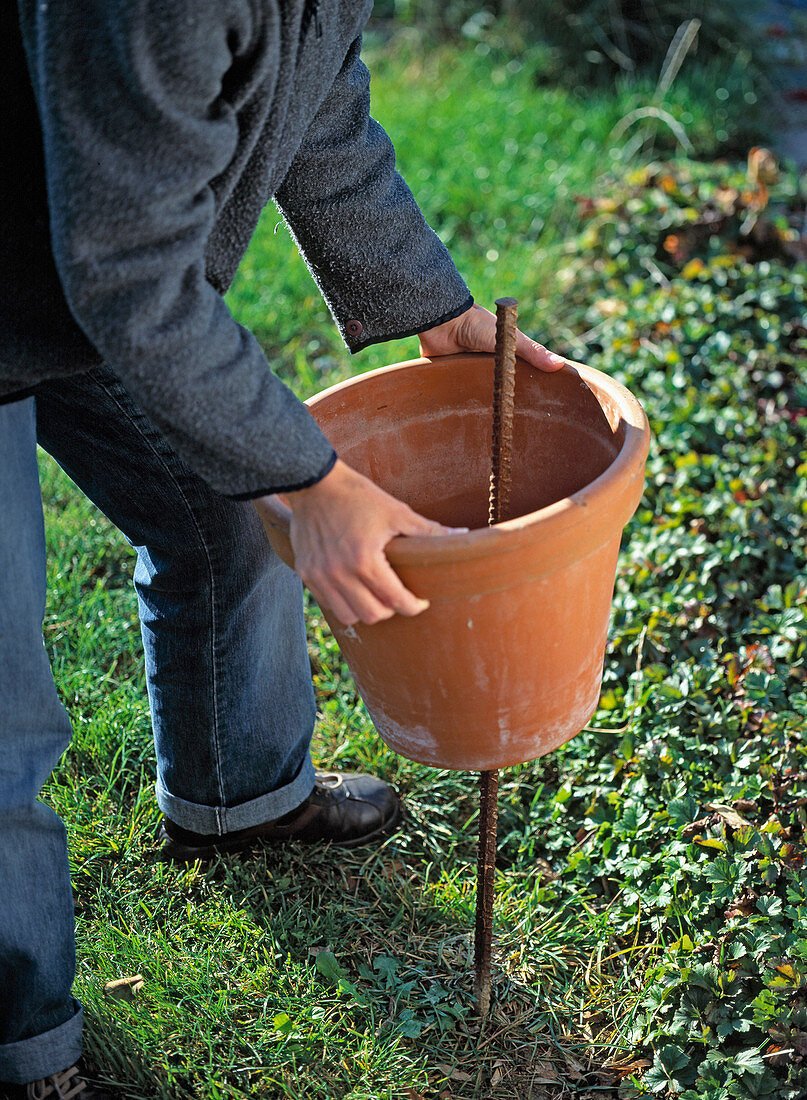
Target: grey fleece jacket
[{"x": 166, "y": 126}]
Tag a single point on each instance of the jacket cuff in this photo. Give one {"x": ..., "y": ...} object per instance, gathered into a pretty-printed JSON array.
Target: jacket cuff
[
  {"x": 254, "y": 494},
  {"x": 359, "y": 344},
  {"x": 16, "y": 395}
]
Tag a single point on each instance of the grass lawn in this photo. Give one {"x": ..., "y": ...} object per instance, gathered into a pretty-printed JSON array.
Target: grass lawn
[{"x": 650, "y": 917}]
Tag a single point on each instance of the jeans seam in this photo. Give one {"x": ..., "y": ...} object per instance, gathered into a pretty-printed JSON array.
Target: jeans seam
[{"x": 161, "y": 458}]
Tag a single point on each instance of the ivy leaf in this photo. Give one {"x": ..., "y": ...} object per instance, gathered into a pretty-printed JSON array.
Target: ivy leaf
[
  {"x": 408, "y": 1024},
  {"x": 329, "y": 967},
  {"x": 655, "y": 1079},
  {"x": 749, "y": 1061},
  {"x": 673, "y": 1058},
  {"x": 387, "y": 968},
  {"x": 769, "y": 906},
  {"x": 682, "y": 810},
  {"x": 282, "y": 1022},
  {"x": 348, "y": 988}
]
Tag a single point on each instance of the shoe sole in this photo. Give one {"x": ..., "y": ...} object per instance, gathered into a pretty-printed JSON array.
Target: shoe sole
[{"x": 175, "y": 852}]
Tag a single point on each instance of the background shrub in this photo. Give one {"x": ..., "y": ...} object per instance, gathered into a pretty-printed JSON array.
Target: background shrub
[{"x": 583, "y": 43}]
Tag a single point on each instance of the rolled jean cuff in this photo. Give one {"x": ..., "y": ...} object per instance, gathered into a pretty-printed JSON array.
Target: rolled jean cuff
[
  {"x": 38, "y": 1057},
  {"x": 218, "y": 820}
]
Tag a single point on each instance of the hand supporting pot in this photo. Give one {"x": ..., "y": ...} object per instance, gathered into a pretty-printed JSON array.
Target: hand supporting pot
[
  {"x": 475, "y": 330},
  {"x": 338, "y": 530}
]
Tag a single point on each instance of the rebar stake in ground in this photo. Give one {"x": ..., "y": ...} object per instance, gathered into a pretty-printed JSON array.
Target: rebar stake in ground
[
  {"x": 486, "y": 866},
  {"x": 504, "y": 385}
]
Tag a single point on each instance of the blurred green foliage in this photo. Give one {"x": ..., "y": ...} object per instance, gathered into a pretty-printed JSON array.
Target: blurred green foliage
[{"x": 580, "y": 43}]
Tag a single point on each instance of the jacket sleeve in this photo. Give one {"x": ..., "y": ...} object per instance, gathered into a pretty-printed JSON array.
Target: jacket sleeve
[
  {"x": 383, "y": 272},
  {"x": 135, "y": 128}
]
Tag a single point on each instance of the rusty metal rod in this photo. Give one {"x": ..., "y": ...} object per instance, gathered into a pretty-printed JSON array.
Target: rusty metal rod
[
  {"x": 485, "y": 871},
  {"x": 504, "y": 384},
  {"x": 504, "y": 388}
]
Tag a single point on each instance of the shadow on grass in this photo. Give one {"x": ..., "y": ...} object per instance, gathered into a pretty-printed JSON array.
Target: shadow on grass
[
  {"x": 360, "y": 985},
  {"x": 318, "y": 972}
]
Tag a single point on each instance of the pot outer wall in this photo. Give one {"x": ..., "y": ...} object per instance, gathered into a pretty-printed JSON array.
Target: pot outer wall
[
  {"x": 493, "y": 679},
  {"x": 506, "y": 663}
]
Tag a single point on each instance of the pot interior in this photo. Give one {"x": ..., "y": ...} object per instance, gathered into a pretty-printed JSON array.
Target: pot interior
[{"x": 423, "y": 433}]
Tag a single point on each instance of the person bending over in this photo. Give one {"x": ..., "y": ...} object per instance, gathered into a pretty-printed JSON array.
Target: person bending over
[{"x": 142, "y": 140}]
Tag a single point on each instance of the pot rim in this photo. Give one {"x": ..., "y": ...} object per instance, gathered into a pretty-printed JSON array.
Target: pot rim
[{"x": 512, "y": 534}]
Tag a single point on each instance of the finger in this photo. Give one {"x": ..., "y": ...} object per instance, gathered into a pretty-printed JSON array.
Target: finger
[
  {"x": 416, "y": 525},
  {"x": 390, "y": 590},
  {"x": 357, "y": 587},
  {"x": 366, "y": 606},
  {"x": 537, "y": 355},
  {"x": 353, "y": 601},
  {"x": 334, "y": 603},
  {"x": 482, "y": 337}
]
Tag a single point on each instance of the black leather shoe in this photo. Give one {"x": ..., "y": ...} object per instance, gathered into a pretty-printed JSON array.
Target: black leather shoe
[
  {"x": 343, "y": 809},
  {"x": 69, "y": 1084}
]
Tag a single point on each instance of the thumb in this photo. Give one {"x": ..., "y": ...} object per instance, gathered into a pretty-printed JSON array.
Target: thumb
[
  {"x": 537, "y": 355},
  {"x": 479, "y": 334},
  {"x": 419, "y": 526}
]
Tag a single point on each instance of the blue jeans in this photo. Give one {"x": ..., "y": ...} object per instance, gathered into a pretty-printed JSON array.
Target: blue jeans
[{"x": 227, "y": 672}]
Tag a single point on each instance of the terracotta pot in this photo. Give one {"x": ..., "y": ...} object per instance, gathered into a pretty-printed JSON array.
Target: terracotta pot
[{"x": 506, "y": 663}]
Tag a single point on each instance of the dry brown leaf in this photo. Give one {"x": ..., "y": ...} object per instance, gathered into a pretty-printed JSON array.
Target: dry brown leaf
[
  {"x": 729, "y": 814},
  {"x": 547, "y": 1071},
  {"x": 124, "y": 989},
  {"x": 453, "y": 1072},
  {"x": 777, "y": 1055},
  {"x": 694, "y": 827},
  {"x": 573, "y": 1068},
  {"x": 461, "y": 1075},
  {"x": 631, "y": 1067},
  {"x": 745, "y": 805}
]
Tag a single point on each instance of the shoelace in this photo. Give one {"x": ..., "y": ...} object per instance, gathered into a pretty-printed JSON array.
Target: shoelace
[
  {"x": 59, "y": 1086},
  {"x": 331, "y": 780}
]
